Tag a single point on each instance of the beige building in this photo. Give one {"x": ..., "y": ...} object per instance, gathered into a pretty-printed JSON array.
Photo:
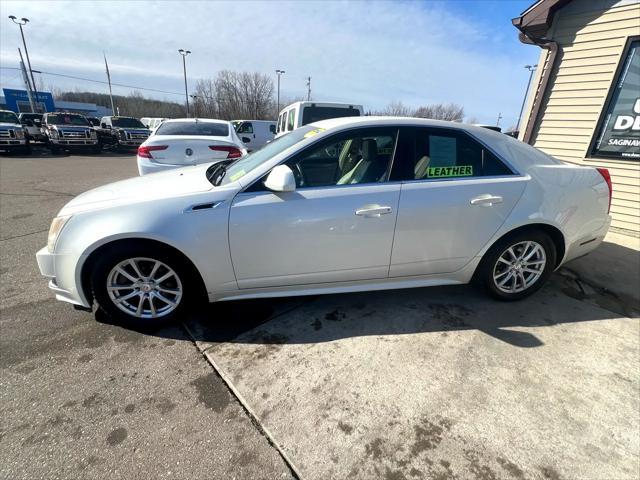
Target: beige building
[{"x": 584, "y": 102}]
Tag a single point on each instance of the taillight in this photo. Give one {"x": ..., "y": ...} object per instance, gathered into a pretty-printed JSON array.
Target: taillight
[
  {"x": 232, "y": 152},
  {"x": 144, "y": 151},
  {"x": 607, "y": 178}
]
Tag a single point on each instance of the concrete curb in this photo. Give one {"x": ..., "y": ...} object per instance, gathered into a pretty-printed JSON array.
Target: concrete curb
[{"x": 245, "y": 405}]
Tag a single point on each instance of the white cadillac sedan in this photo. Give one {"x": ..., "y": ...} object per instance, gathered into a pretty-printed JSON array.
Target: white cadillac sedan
[
  {"x": 188, "y": 141},
  {"x": 342, "y": 205}
]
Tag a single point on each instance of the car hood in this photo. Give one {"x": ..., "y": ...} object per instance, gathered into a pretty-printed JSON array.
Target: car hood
[
  {"x": 9, "y": 125},
  {"x": 172, "y": 183}
]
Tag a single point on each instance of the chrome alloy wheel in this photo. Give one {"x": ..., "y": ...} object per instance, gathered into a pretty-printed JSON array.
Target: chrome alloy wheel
[
  {"x": 144, "y": 287},
  {"x": 520, "y": 266}
]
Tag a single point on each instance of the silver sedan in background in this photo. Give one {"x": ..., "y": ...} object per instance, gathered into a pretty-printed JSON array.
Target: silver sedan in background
[{"x": 342, "y": 205}]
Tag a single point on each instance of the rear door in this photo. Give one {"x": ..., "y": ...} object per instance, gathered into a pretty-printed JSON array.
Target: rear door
[
  {"x": 246, "y": 133},
  {"x": 455, "y": 195}
]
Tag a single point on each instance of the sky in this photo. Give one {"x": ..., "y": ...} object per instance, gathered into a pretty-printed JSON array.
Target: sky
[{"x": 369, "y": 53}]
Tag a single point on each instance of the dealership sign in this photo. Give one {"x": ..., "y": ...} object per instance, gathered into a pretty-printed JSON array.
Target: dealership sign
[
  {"x": 18, "y": 101},
  {"x": 619, "y": 136}
]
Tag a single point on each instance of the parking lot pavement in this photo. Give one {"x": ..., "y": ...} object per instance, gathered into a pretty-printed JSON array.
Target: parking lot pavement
[
  {"x": 423, "y": 383},
  {"x": 441, "y": 383},
  {"x": 84, "y": 399}
]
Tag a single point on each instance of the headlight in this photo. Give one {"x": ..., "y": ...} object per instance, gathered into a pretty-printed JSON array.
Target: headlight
[
  {"x": 93, "y": 134},
  {"x": 19, "y": 133},
  {"x": 123, "y": 134},
  {"x": 53, "y": 132},
  {"x": 56, "y": 227}
]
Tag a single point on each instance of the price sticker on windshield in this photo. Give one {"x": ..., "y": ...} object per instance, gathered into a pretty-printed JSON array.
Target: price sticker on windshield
[
  {"x": 237, "y": 175},
  {"x": 311, "y": 133}
]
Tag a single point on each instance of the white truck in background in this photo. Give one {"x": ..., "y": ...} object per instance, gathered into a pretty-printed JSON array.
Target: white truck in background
[{"x": 302, "y": 113}]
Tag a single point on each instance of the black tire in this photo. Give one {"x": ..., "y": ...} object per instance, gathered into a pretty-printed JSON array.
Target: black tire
[
  {"x": 490, "y": 264},
  {"x": 189, "y": 286},
  {"x": 54, "y": 149},
  {"x": 96, "y": 149},
  {"x": 26, "y": 150}
]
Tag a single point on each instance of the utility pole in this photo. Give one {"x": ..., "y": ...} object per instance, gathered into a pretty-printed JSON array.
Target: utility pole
[
  {"x": 531, "y": 68},
  {"x": 25, "y": 77},
  {"x": 106, "y": 66},
  {"x": 499, "y": 118},
  {"x": 20, "y": 23},
  {"x": 184, "y": 54},
  {"x": 308, "y": 88},
  {"x": 279, "y": 72}
]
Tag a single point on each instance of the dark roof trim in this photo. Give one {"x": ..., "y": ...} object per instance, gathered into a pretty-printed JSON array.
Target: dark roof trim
[{"x": 536, "y": 20}]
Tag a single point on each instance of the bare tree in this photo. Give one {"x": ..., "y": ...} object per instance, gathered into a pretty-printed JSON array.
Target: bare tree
[
  {"x": 440, "y": 111},
  {"x": 395, "y": 109},
  {"x": 243, "y": 95}
]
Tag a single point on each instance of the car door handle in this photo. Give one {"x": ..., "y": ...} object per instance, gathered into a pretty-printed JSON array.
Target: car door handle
[
  {"x": 486, "y": 200},
  {"x": 373, "y": 211}
]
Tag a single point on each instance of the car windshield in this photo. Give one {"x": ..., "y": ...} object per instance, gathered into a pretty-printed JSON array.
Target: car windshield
[
  {"x": 208, "y": 129},
  {"x": 241, "y": 167},
  {"x": 8, "y": 117},
  {"x": 31, "y": 116},
  {"x": 126, "y": 122},
  {"x": 67, "y": 119}
]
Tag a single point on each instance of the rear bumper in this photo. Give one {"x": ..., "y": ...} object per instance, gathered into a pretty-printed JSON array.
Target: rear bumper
[
  {"x": 587, "y": 243},
  {"x": 146, "y": 166},
  {"x": 49, "y": 264}
]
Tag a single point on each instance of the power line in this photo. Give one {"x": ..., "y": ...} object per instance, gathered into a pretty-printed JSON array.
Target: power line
[{"x": 98, "y": 81}]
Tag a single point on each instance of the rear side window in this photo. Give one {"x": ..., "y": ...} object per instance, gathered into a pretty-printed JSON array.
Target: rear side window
[
  {"x": 290, "y": 120},
  {"x": 315, "y": 114},
  {"x": 208, "y": 129},
  {"x": 434, "y": 154}
]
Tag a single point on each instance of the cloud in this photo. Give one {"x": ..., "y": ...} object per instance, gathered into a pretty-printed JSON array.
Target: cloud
[{"x": 362, "y": 52}]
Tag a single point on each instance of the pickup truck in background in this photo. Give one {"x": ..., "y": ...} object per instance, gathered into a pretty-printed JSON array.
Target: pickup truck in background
[
  {"x": 69, "y": 131},
  {"x": 12, "y": 135},
  {"x": 123, "y": 133},
  {"x": 32, "y": 125}
]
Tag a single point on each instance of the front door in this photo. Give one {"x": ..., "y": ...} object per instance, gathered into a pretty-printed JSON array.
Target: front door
[{"x": 336, "y": 226}]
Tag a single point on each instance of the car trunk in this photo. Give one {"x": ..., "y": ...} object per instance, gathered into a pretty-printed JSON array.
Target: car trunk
[{"x": 190, "y": 150}]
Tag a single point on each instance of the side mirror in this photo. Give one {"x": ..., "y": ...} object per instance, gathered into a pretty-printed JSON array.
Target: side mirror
[{"x": 281, "y": 179}]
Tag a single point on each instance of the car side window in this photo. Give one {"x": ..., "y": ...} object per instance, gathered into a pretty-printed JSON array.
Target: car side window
[
  {"x": 290, "y": 120},
  {"x": 246, "y": 127},
  {"x": 356, "y": 157},
  {"x": 272, "y": 128},
  {"x": 438, "y": 154}
]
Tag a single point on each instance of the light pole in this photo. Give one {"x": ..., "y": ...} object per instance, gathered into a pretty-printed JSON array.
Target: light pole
[
  {"x": 279, "y": 72},
  {"x": 531, "y": 68},
  {"x": 184, "y": 54},
  {"x": 20, "y": 23}
]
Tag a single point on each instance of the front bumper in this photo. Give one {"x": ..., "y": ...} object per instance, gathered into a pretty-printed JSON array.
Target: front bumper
[
  {"x": 12, "y": 144},
  {"x": 49, "y": 264},
  {"x": 89, "y": 142}
]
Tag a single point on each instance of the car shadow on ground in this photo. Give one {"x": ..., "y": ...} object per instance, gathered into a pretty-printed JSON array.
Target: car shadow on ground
[{"x": 326, "y": 318}]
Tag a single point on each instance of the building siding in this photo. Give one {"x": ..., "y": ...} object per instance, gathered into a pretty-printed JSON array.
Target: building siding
[{"x": 591, "y": 36}]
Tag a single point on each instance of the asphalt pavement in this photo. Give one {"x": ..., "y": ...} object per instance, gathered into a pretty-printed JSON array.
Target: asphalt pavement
[
  {"x": 81, "y": 398},
  {"x": 431, "y": 383}
]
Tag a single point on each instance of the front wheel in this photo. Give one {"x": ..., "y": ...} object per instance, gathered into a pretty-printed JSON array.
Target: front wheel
[
  {"x": 518, "y": 266},
  {"x": 142, "y": 288}
]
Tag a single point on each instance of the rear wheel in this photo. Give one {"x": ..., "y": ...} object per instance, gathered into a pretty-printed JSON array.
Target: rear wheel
[
  {"x": 518, "y": 266},
  {"x": 142, "y": 288}
]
